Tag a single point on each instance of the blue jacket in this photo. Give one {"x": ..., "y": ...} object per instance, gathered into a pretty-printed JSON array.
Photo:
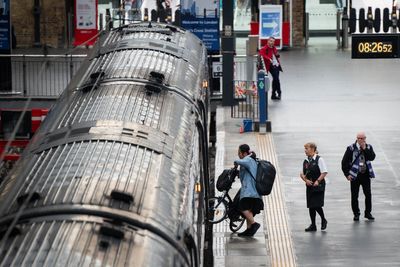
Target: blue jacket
[{"x": 248, "y": 188}]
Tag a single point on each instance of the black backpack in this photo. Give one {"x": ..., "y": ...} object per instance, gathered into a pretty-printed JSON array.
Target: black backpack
[
  {"x": 225, "y": 179},
  {"x": 265, "y": 177}
]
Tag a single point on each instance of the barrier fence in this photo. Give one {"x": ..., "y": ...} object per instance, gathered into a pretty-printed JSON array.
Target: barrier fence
[
  {"x": 245, "y": 88},
  {"x": 247, "y": 100},
  {"x": 42, "y": 75},
  {"x": 48, "y": 76}
]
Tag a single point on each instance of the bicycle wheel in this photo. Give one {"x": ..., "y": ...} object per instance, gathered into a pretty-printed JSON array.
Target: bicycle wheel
[
  {"x": 217, "y": 209},
  {"x": 235, "y": 225}
]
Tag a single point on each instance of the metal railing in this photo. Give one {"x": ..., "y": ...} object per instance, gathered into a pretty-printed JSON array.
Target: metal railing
[
  {"x": 245, "y": 88},
  {"x": 42, "y": 75},
  {"x": 247, "y": 100},
  {"x": 245, "y": 68},
  {"x": 48, "y": 75}
]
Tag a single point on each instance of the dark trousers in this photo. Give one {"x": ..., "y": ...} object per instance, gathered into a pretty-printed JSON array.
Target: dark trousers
[
  {"x": 365, "y": 182},
  {"x": 276, "y": 84}
]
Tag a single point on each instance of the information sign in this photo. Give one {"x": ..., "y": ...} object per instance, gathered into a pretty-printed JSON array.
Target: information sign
[
  {"x": 201, "y": 17},
  {"x": 270, "y": 21},
  {"x": 5, "y": 32},
  {"x": 85, "y": 22},
  {"x": 5, "y": 46}
]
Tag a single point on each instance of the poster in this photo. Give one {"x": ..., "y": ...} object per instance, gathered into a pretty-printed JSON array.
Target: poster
[
  {"x": 85, "y": 21},
  {"x": 160, "y": 6}
]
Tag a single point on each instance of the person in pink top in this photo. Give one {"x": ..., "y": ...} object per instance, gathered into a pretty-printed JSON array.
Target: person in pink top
[{"x": 270, "y": 55}]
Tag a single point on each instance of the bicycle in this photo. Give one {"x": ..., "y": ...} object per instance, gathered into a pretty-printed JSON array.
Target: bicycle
[{"x": 223, "y": 207}]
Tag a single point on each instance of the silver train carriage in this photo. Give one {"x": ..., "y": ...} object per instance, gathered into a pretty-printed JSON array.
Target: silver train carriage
[{"x": 117, "y": 175}]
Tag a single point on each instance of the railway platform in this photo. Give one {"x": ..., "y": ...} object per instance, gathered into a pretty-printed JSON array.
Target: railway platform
[{"x": 327, "y": 98}]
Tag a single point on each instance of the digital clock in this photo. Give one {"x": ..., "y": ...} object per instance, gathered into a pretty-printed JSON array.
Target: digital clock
[{"x": 375, "y": 46}]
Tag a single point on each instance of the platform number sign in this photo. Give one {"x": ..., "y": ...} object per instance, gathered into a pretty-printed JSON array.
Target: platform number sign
[{"x": 217, "y": 69}]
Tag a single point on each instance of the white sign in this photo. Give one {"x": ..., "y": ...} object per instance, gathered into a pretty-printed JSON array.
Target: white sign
[
  {"x": 217, "y": 69},
  {"x": 86, "y": 14}
]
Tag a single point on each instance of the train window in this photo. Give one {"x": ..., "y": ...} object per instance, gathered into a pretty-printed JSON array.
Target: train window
[{"x": 9, "y": 121}]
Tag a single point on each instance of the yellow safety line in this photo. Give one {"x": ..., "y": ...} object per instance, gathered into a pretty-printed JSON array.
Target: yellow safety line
[{"x": 277, "y": 228}]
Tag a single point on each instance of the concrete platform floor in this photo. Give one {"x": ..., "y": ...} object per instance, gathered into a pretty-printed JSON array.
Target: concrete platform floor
[{"x": 327, "y": 97}]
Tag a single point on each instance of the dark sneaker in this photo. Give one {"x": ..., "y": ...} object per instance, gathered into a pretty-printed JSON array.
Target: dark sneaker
[
  {"x": 254, "y": 228},
  {"x": 311, "y": 228},
  {"x": 245, "y": 233},
  {"x": 369, "y": 216},
  {"x": 356, "y": 217},
  {"x": 324, "y": 223}
]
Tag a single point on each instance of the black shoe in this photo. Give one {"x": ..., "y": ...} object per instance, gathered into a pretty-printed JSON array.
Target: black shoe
[
  {"x": 254, "y": 228},
  {"x": 245, "y": 232},
  {"x": 324, "y": 223},
  {"x": 369, "y": 216},
  {"x": 311, "y": 228},
  {"x": 356, "y": 217},
  {"x": 274, "y": 97},
  {"x": 278, "y": 97},
  {"x": 250, "y": 231}
]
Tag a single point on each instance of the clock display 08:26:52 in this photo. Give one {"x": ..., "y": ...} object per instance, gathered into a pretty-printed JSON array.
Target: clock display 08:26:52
[{"x": 375, "y": 47}]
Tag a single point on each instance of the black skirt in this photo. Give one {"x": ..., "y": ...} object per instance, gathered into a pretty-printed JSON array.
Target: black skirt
[
  {"x": 314, "y": 199},
  {"x": 252, "y": 204}
]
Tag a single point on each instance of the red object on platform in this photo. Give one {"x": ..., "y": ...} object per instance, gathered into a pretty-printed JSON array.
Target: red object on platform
[
  {"x": 12, "y": 157},
  {"x": 38, "y": 116},
  {"x": 254, "y": 28},
  {"x": 16, "y": 143},
  {"x": 286, "y": 33}
]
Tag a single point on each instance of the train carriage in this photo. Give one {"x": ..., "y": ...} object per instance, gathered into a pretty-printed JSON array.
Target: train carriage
[{"x": 117, "y": 174}]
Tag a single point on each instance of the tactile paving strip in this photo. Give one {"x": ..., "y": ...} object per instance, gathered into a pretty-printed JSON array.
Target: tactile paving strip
[{"x": 278, "y": 232}]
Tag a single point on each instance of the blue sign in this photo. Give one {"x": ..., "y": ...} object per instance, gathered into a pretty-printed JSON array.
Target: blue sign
[
  {"x": 270, "y": 24},
  {"x": 5, "y": 46},
  {"x": 5, "y": 32},
  {"x": 201, "y": 17},
  {"x": 207, "y": 29}
]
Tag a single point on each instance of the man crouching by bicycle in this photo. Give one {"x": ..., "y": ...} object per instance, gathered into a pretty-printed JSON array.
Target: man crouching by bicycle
[{"x": 250, "y": 202}]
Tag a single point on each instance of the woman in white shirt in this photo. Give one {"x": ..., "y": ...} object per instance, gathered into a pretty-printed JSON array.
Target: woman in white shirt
[{"x": 313, "y": 174}]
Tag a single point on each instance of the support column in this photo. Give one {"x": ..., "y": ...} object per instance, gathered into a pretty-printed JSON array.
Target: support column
[
  {"x": 228, "y": 50},
  {"x": 36, "y": 15}
]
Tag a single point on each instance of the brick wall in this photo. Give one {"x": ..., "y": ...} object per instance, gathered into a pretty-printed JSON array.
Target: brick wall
[
  {"x": 298, "y": 22},
  {"x": 52, "y": 22}
]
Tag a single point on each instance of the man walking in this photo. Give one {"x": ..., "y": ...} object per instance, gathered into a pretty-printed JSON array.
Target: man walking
[{"x": 357, "y": 168}]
